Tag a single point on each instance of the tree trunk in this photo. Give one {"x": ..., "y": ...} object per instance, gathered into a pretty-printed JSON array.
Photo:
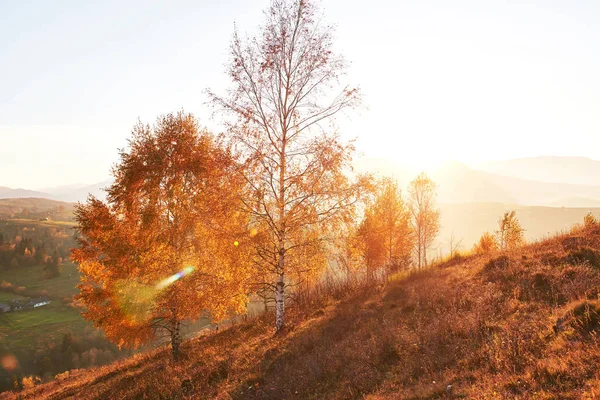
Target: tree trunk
[
  {"x": 425, "y": 250},
  {"x": 175, "y": 338},
  {"x": 279, "y": 303}
]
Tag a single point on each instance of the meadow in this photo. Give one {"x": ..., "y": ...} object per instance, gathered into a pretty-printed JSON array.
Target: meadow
[{"x": 22, "y": 329}]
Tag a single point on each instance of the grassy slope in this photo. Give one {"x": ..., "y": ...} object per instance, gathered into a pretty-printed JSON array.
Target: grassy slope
[{"x": 511, "y": 327}]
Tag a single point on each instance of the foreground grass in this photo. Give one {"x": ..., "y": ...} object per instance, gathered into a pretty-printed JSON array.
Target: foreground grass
[{"x": 521, "y": 325}]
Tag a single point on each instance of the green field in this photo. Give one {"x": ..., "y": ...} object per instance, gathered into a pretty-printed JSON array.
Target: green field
[
  {"x": 35, "y": 222},
  {"x": 32, "y": 278},
  {"x": 21, "y": 329},
  {"x": 5, "y": 297}
]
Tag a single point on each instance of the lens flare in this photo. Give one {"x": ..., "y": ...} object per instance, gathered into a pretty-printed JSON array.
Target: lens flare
[
  {"x": 171, "y": 279},
  {"x": 9, "y": 362},
  {"x": 236, "y": 243},
  {"x": 136, "y": 300}
]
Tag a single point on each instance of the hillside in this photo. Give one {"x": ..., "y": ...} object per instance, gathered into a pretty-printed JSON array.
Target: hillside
[
  {"x": 9, "y": 193},
  {"x": 36, "y": 208},
  {"x": 468, "y": 221},
  {"x": 519, "y": 326}
]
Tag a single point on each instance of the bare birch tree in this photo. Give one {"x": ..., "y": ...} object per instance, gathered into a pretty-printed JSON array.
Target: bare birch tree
[
  {"x": 281, "y": 108},
  {"x": 425, "y": 216}
]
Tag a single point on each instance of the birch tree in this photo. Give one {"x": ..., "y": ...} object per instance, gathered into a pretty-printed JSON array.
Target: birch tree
[
  {"x": 425, "y": 219},
  {"x": 285, "y": 92},
  {"x": 167, "y": 245},
  {"x": 385, "y": 232}
]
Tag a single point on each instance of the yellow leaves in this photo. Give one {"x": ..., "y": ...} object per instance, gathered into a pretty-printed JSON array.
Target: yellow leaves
[
  {"x": 487, "y": 244},
  {"x": 161, "y": 248},
  {"x": 385, "y": 235}
]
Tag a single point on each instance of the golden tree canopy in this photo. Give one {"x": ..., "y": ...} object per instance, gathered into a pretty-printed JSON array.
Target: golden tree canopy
[{"x": 161, "y": 249}]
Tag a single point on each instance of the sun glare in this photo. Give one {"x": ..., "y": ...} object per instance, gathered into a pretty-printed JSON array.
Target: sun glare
[{"x": 171, "y": 279}]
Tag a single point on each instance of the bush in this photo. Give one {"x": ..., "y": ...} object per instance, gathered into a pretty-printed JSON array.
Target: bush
[
  {"x": 497, "y": 263},
  {"x": 589, "y": 221},
  {"x": 30, "y": 381},
  {"x": 584, "y": 318},
  {"x": 6, "y": 286},
  {"x": 584, "y": 256},
  {"x": 486, "y": 245}
]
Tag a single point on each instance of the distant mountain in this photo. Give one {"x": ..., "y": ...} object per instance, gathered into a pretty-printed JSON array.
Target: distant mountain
[
  {"x": 458, "y": 183},
  {"x": 573, "y": 170},
  {"x": 62, "y": 190},
  {"x": 68, "y": 193},
  {"x": 8, "y": 193},
  {"x": 81, "y": 193}
]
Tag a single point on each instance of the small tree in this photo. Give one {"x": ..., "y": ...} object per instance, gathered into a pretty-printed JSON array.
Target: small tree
[
  {"x": 51, "y": 267},
  {"x": 487, "y": 244},
  {"x": 425, "y": 216},
  {"x": 453, "y": 244},
  {"x": 589, "y": 220},
  {"x": 385, "y": 231},
  {"x": 510, "y": 233}
]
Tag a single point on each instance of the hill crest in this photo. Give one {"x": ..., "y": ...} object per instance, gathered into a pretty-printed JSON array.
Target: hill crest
[{"x": 504, "y": 325}]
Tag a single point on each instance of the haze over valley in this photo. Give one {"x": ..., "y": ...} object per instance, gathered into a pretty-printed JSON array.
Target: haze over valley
[{"x": 299, "y": 199}]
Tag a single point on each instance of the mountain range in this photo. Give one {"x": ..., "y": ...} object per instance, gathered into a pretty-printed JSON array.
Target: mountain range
[
  {"x": 70, "y": 193},
  {"x": 539, "y": 181}
]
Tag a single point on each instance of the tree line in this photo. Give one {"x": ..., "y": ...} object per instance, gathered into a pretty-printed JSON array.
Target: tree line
[{"x": 26, "y": 245}]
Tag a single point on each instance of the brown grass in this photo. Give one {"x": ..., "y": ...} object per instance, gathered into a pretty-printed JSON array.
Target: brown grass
[{"x": 521, "y": 325}]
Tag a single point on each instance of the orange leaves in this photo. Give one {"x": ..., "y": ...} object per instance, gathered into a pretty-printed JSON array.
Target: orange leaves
[
  {"x": 425, "y": 216},
  {"x": 172, "y": 205},
  {"x": 385, "y": 236}
]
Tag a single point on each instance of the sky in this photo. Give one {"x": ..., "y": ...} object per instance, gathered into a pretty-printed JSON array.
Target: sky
[{"x": 461, "y": 80}]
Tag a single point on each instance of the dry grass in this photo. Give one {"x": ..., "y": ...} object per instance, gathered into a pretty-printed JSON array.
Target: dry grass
[{"x": 522, "y": 325}]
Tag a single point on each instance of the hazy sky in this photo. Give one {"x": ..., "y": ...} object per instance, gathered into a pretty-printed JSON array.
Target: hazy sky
[{"x": 465, "y": 80}]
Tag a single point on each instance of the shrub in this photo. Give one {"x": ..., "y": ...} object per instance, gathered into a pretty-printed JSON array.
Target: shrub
[
  {"x": 30, "y": 381},
  {"x": 486, "y": 245},
  {"x": 584, "y": 256},
  {"x": 584, "y": 318},
  {"x": 510, "y": 232},
  {"x": 589, "y": 221},
  {"x": 497, "y": 263}
]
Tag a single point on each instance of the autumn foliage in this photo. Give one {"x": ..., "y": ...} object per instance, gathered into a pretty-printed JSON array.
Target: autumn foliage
[
  {"x": 519, "y": 325},
  {"x": 385, "y": 234},
  {"x": 284, "y": 95},
  {"x": 171, "y": 210}
]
